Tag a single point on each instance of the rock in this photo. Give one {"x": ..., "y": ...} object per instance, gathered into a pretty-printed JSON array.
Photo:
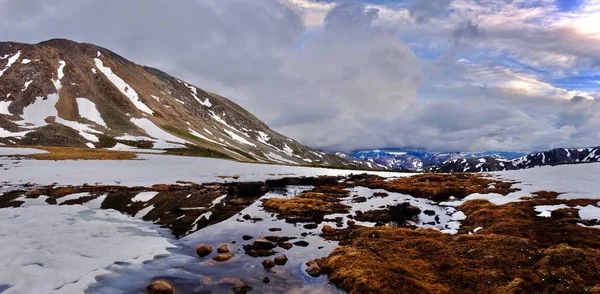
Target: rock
[
  {"x": 266, "y": 280},
  {"x": 275, "y": 229},
  {"x": 33, "y": 193},
  {"x": 313, "y": 270},
  {"x": 350, "y": 223},
  {"x": 339, "y": 225},
  {"x": 246, "y": 237},
  {"x": 262, "y": 243},
  {"x": 160, "y": 287},
  {"x": 359, "y": 200},
  {"x": 229, "y": 280},
  {"x": 381, "y": 194},
  {"x": 203, "y": 250},
  {"x": 429, "y": 212},
  {"x": 327, "y": 229},
  {"x": 267, "y": 263},
  {"x": 279, "y": 239},
  {"x": 281, "y": 259},
  {"x": 223, "y": 257},
  {"x": 247, "y": 217},
  {"x": 241, "y": 288},
  {"x": 311, "y": 226},
  {"x": 286, "y": 246},
  {"x": 301, "y": 243},
  {"x": 223, "y": 249}
]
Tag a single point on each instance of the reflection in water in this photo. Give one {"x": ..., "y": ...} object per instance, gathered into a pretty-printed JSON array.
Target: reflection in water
[{"x": 191, "y": 274}]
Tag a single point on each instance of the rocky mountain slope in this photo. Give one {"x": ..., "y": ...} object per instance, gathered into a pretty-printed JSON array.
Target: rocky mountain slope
[
  {"x": 552, "y": 157},
  {"x": 64, "y": 93}
]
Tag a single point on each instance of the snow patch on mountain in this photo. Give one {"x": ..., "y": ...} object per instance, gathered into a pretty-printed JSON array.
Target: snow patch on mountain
[
  {"x": 11, "y": 61},
  {"x": 122, "y": 86}
]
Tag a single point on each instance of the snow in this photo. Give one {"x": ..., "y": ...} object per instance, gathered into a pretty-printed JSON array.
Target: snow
[
  {"x": 25, "y": 61},
  {"x": 158, "y": 133},
  {"x": 4, "y": 107},
  {"x": 37, "y": 112},
  {"x": 123, "y": 147},
  {"x": 88, "y": 110},
  {"x": 20, "y": 151},
  {"x": 6, "y": 133},
  {"x": 150, "y": 167},
  {"x": 83, "y": 129},
  {"x": 90, "y": 145},
  {"x": 144, "y": 196},
  {"x": 94, "y": 71},
  {"x": 204, "y": 137},
  {"x": 122, "y": 86},
  {"x": 278, "y": 158},
  {"x": 140, "y": 214},
  {"x": 37, "y": 257},
  {"x": 71, "y": 197},
  {"x": 263, "y": 138},
  {"x": 11, "y": 61},
  {"x": 26, "y": 86},
  {"x": 546, "y": 210},
  {"x": 194, "y": 92},
  {"x": 574, "y": 181},
  {"x": 238, "y": 138},
  {"x": 589, "y": 212},
  {"x": 60, "y": 74},
  {"x": 217, "y": 200}
]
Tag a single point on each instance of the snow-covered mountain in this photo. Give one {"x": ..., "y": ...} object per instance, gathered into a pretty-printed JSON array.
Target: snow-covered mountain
[
  {"x": 415, "y": 160},
  {"x": 552, "y": 157},
  {"x": 64, "y": 93}
]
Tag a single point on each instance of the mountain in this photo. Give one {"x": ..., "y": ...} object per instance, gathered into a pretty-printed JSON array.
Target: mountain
[
  {"x": 416, "y": 160},
  {"x": 64, "y": 93},
  {"x": 552, "y": 157}
]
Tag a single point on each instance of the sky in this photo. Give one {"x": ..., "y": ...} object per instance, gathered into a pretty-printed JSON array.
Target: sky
[{"x": 439, "y": 75}]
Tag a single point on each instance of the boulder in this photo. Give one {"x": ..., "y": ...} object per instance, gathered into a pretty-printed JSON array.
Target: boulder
[
  {"x": 267, "y": 263},
  {"x": 203, "y": 250},
  {"x": 161, "y": 287},
  {"x": 327, "y": 229},
  {"x": 223, "y": 257},
  {"x": 223, "y": 249},
  {"x": 281, "y": 259}
]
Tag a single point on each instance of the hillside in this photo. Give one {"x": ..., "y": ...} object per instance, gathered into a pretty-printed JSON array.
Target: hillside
[{"x": 64, "y": 93}]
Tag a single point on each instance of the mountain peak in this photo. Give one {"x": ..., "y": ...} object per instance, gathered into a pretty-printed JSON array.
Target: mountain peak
[{"x": 111, "y": 102}]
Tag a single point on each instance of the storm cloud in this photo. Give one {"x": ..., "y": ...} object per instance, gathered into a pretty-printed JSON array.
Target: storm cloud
[{"x": 331, "y": 76}]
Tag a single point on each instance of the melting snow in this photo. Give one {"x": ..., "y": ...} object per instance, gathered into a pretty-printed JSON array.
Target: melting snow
[
  {"x": 26, "y": 85},
  {"x": 25, "y": 61},
  {"x": 144, "y": 211},
  {"x": 158, "y": 133},
  {"x": 238, "y": 138},
  {"x": 278, "y": 158},
  {"x": 194, "y": 92},
  {"x": 87, "y": 109},
  {"x": 60, "y": 74},
  {"x": 144, "y": 196},
  {"x": 36, "y": 257},
  {"x": 122, "y": 86},
  {"x": 203, "y": 137},
  {"x": 4, "y": 107},
  {"x": 11, "y": 61}
]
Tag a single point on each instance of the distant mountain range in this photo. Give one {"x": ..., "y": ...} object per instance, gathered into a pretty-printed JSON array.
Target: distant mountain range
[{"x": 415, "y": 160}]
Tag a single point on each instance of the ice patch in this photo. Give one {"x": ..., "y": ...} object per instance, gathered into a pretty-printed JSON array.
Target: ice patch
[
  {"x": 61, "y": 249},
  {"x": 122, "y": 86}
]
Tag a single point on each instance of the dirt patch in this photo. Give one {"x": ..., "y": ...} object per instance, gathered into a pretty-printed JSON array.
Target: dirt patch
[
  {"x": 396, "y": 215},
  {"x": 516, "y": 252},
  {"x": 437, "y": 187}
]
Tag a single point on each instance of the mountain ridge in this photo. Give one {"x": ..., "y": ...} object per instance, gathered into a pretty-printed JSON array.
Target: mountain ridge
[{"x": 92, "y": 97}]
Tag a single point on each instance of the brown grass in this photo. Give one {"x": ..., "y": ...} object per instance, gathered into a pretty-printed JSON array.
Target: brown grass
[
  {"x": 306, "y": 205},
  {"x": 438, "y": 187},
  {"x": 71, "y": 153},
  {"x": 516, "y": 252}
]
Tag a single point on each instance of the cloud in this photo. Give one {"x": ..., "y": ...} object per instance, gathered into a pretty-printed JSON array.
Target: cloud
[{"x": 344, "y": 75}]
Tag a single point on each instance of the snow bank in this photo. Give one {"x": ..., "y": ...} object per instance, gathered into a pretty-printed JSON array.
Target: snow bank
[
  {"x": 151, "y": 129},
  {"x": 61, "y": 249},
  {"x": 153, "y": 169}
]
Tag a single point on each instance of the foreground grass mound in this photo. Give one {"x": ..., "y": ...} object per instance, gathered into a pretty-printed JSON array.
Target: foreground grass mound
[{"x": 516, "y": 251}]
